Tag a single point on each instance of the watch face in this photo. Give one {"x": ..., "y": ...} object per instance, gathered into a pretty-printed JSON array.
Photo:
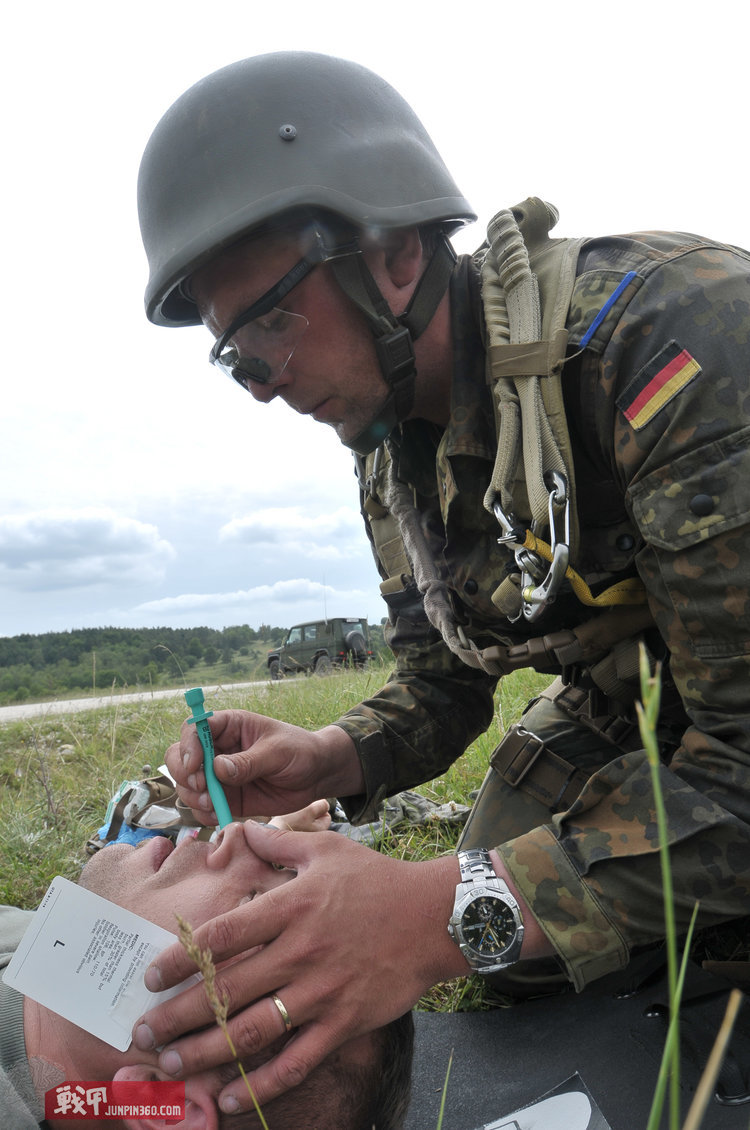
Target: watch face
[{"x": 488, "y": 925}]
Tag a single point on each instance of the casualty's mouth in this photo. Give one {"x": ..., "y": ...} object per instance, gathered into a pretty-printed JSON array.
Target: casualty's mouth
[
  {"x": 165, "y": 849},
  {"x": 161, "y": 850}
]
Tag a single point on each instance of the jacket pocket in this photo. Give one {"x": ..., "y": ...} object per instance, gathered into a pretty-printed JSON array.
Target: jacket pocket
[{"x": 695, "y": 515}]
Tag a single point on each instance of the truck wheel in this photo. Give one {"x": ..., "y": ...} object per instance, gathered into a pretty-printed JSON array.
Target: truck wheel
[
  {"x": 274, "y": 670},
  {"x": 322, "y": 665}
]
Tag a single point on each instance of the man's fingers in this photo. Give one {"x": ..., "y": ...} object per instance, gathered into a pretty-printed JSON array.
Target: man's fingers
[
  {"x": 242, "y": 766},
  {"x": 189, "y": 757},
  {"x": 187, "y": 772},
  {"x": 290, "y": 1067},
  {"x": 250, "y": 1032},
  {"x": 185, "y": 759},
  {"x": 279, "y": 845},
  {"x": 191, "y": 1011},
  {"x": 230, "y": 934},
  {"x": 185, "y": 1012}
]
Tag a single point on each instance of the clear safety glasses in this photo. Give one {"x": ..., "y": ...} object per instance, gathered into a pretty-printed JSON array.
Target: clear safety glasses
[
  {"x": 258, "y": 344},
  {"x": 260, "y": 350}
]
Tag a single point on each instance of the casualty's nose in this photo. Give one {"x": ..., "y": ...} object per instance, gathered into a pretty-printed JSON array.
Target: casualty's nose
[{"x": 227, "y": 844}]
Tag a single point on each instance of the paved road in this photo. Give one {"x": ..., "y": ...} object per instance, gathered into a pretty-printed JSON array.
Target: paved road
[{"x": 74, "y": 705}]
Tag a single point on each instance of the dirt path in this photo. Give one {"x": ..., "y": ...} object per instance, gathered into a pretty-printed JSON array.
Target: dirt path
[{"x": 74, "y": 705}]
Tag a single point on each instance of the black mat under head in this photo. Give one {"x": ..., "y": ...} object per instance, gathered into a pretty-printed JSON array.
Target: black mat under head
[{"x": 506, "y": 1058}]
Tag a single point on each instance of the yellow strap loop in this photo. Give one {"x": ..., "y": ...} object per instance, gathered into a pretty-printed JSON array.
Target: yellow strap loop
[{"x": 629, "y": 591}]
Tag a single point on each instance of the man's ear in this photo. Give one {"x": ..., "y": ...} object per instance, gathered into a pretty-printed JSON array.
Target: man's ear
[
  {"x": 201, "y": 1112},
  {"x": 399, "y": 253}
]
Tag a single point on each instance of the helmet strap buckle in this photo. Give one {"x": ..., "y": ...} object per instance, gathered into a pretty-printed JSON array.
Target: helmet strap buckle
[{"x": 395, "y": 352}]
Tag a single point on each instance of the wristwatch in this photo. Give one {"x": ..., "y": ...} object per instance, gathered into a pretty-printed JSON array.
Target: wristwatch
[{"x": 486, "y": 922}]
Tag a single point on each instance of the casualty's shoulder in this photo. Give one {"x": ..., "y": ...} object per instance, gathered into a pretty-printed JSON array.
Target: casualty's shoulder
[{"x": 13, "y": 926}]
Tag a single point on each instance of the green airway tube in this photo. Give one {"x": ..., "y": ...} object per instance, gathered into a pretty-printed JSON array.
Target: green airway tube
[{"x": 194, "y": 699}]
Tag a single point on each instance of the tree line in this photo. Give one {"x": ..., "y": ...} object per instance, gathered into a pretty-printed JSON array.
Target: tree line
[{"x": 99, "y": 659}]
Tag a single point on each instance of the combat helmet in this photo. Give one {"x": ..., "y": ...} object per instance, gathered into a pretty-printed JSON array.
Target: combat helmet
[{"x": 286, "y": 131}]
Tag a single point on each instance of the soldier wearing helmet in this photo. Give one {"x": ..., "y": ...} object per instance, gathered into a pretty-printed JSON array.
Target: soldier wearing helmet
[
  {"x": 551, "y": 440},
  {"x": 348, "y": 166}
]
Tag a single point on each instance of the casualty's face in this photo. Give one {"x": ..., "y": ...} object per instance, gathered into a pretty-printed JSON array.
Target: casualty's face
[{"x": 197, "y": 880}]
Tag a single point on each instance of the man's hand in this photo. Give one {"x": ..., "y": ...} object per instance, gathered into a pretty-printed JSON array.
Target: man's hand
[
  {"x": 265, "y": 766},
  {"x": 348, "y": 945}
]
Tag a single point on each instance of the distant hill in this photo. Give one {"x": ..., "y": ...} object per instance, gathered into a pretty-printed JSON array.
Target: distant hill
[{"x": 37, "y": 667}]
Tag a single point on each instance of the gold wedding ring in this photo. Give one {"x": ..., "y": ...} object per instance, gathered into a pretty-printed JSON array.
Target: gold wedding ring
[{"x": 284, "y": 1014}]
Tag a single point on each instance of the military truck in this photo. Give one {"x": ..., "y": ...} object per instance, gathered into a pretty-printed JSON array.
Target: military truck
[{"x": 320, "y": 646}]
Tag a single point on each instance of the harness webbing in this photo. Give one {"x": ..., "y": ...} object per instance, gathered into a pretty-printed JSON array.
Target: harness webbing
[
  {"x": 628, "y": 591},
  {"x": 527, "y": 284},
  {"x": 532, "y": 489}
]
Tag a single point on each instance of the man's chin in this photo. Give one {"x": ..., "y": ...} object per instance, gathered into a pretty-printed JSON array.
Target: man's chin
[
  {"x": 371, "y": 429},
  {"x": 94, "y": 874}
]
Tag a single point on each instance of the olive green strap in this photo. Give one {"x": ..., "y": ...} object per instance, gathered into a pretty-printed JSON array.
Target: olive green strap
[{"x": 526, "y": 351}]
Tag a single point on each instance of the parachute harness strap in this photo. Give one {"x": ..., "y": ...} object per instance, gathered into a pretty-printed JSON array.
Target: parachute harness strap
[{"x": 532, "y": 488}]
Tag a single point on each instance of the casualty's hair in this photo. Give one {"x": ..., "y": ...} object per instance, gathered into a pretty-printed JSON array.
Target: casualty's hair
[{"x": 340, "y": 1095}]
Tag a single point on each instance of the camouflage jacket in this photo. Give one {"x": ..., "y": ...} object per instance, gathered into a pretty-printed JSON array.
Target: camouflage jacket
[{"x": 658, "y": 407}]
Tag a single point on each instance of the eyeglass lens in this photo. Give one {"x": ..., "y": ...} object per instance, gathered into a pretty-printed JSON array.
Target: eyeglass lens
[{"x": 261, "y": 350}]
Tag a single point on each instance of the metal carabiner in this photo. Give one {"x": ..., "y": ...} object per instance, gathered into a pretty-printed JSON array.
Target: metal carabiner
[{"x": 536, "y": 597}]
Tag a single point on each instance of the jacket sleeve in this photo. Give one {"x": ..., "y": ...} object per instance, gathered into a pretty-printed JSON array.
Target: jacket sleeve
[
  {"x": 429, "y": 711},
  {"x": 672, "y": 403}
]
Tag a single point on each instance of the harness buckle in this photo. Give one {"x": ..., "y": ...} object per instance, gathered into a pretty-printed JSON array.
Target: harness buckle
[{"x": 513, "y": 533}]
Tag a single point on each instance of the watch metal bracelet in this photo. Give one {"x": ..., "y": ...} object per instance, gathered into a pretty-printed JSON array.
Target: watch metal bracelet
[{"x": 476, "y": 865}]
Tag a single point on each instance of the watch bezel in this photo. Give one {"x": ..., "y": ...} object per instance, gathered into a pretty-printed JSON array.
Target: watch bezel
[{"x": 486, "y": 963}]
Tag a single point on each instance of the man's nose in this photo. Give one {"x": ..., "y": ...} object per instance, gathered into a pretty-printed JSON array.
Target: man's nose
[{"x": 264, "y": 394}]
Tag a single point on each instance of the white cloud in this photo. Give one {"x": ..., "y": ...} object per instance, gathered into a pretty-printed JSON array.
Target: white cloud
[
  {"x": 278, "y": 524},
  {"x": 254, "y": 600},
  {"x": 294, "y": 534},
  {"x": 67, "y": 548}
]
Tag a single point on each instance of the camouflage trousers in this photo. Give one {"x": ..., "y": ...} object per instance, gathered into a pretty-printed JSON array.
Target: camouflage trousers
[{"x": 538, "y": 769}]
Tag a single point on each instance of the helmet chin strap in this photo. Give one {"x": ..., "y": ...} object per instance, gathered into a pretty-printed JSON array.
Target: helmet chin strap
[{"x": 394, "y": 336}]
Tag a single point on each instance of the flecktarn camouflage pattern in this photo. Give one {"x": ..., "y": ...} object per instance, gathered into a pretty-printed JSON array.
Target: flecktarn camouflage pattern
[{"x": 657, "y": 397}]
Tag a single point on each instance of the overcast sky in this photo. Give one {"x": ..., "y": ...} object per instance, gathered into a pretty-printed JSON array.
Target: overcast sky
[{"x": 138, "y": 486}]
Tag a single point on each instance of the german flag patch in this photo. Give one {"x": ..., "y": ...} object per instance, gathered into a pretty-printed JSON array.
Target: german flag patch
[{"x": 658, "y": 381}]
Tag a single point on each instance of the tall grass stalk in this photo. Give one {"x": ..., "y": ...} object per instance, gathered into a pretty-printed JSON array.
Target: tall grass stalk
[
  {"x": 669, "y": 1067},
  {"x": 204, "y": 960},
  {"x": 445, "y": 1092},
  {"x": 648, "y": 713}
]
